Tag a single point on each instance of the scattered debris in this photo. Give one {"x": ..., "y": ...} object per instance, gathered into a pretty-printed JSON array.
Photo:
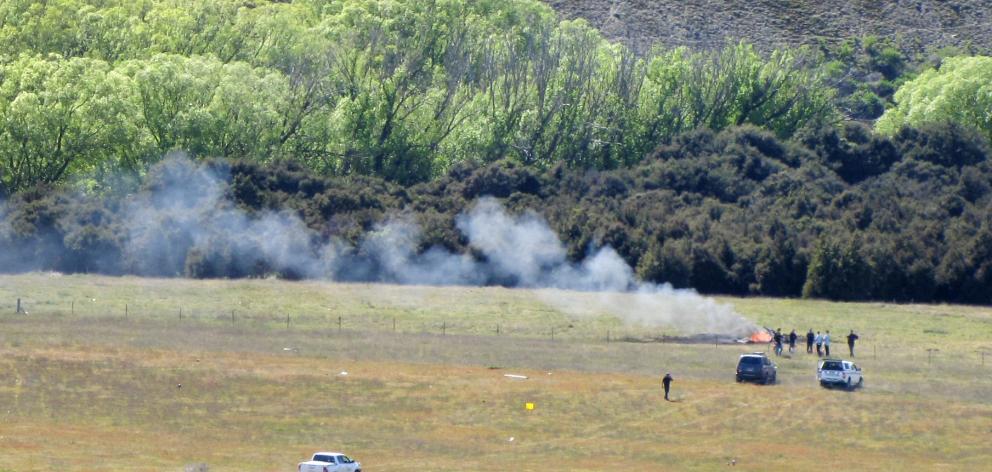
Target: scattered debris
[
  {"x": 511, "y": 439},
  {"x": 343, "y": 373},
  {"x": 179, "y": 386},
  {"x": 515, "y": 376}
]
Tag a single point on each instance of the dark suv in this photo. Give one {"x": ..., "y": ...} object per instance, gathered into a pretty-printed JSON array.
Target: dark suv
[{"x": 756, "y": 366}]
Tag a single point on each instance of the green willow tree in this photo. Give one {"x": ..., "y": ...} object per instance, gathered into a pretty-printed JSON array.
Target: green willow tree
[
  {"x": 62, "y": 116},
  {"x": 960, "y": 91}
]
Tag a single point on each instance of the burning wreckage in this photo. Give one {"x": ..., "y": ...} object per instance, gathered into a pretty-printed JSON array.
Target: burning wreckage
[{"x": 761, "y": 336}]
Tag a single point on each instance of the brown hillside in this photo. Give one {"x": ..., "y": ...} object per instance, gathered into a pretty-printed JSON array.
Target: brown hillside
[{"x": 919, "y": 25}]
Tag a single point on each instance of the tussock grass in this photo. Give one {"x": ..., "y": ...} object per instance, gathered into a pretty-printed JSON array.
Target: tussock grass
[{"x": 92, "y": 391}]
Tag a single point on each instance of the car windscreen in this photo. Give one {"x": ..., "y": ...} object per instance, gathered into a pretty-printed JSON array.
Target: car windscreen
[
  {"x": 750, "y": 361},
  {"x": 832, "y": 365}
]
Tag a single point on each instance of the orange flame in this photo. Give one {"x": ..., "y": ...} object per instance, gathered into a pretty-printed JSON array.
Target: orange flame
[{"x": 761, "y": 337}]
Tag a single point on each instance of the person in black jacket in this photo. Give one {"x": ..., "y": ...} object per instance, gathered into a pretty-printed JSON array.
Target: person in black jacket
[
  {"x": 792, "y": 341},
  {"x": 809, "y": 341},
  {"x": 850, "y": 341},
  {"x": 667, "y": 382}
]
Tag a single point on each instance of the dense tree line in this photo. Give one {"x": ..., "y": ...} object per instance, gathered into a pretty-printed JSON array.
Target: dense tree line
[
  {"x": 95, "y": 91},
  {"x": 840, "y": 214},
  {"x": 726, "y": 170}
]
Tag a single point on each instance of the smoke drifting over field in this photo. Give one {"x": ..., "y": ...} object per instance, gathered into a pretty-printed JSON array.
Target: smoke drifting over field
[{"x": 187, "y": 224}]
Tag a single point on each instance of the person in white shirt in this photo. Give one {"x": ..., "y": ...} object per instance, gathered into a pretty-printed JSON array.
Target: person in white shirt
[
  {"x": 826, "y": 343},
  {"x": 819, "y": 344}
]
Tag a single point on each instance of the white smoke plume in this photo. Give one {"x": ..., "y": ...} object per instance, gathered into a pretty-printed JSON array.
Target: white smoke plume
[
  {"x": 524, "y": 247},
  {"x": 187, "y": 224}
]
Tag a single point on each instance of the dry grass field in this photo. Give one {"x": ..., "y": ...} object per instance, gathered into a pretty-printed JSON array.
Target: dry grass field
[{"x": 84, "y": 388}]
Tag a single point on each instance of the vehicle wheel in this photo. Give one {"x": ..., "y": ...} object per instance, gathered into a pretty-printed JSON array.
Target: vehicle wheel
[
  {"x": 764, "y": 380},
  {"x": 861, "y": 382},
  {"x": 739, "y": 379},
  {"x": 824, "y": 385},
  {"x": 775, "y": 379},
  {"x": 849, "y": 385}
]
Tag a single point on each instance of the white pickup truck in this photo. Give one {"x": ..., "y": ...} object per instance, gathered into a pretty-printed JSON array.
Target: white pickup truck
[
  {"x": 330, "y": 462},
  {"x": 838, "y": 372}
]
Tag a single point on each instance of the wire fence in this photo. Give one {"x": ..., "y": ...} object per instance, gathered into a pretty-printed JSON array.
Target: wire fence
[{"x": 385, "y": 322}]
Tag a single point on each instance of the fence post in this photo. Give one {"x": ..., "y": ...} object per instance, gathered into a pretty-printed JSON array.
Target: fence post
[
  {"x": 72, "y": 308},
  {"x": 18, "y": 312},
  {"x": 125, "y": 311},
  {"x": 180, "y": 313},
  {"x": 394, "y": 324},
  {"x": 607, "y": 336},
  {"x": 232, "y": 316},
  {"x": 287, "y": 321},
  {"x": 552, "y": 333},
  {"x": 497, "y": 328},
  {"x": 930, "y": 355},
  {"x": 444, "y": 328}
]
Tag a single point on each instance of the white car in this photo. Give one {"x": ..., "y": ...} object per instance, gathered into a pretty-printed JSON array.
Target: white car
[
  {"x": 838, "y": 372},
  {"x": 330, "y": 462}
]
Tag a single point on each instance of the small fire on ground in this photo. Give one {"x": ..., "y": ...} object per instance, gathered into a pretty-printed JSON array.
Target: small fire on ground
[{"x": 760, "y": 337}]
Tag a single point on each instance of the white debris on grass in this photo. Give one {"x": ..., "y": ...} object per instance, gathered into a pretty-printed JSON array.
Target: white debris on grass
[{"x": 515, "y": 376}]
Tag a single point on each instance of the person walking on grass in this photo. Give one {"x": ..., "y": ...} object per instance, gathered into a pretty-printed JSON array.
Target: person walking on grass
[
  {"x": 826, "y": 343},
  {"x": 809, "y": 341},
  {"x": 819, "y": 344},
  {"x": 792, "y": 341},
  {"x": 777, "y": 339},
  {"x": 667, "y": 382},
  {"x": 850, "y": 341}
]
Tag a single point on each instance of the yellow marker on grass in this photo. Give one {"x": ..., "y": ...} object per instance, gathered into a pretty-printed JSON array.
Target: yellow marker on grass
[{"x": 529, "y": 406}]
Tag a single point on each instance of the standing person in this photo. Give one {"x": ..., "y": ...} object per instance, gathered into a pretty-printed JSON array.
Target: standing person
[
  {"x": 819, "y": 344},
  {"x": 792, "y": 341},
  {"x": 667, "y": 381},
  {"x": 850, "y": 341},
  {"x": 809, "y": 341},
  {"x": 826, "y": 343},
  {"x": 777, "y": 338}
]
